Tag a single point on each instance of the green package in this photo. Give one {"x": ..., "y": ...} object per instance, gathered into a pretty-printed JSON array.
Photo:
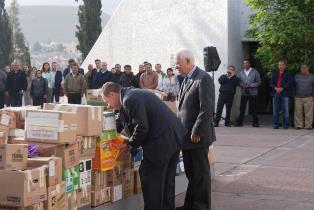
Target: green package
[{"x": 71, "y": 177}]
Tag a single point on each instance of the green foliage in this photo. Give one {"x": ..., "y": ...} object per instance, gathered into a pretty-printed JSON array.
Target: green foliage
[
  {"x": 5, "y": 37},
  {"x": 89, "y": 27},
  {"x": 21, "y": 52},
  {"x": 284, "y": 30}
]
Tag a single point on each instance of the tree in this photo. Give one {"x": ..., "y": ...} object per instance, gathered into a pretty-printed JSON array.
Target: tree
[
  {"x": 5, "y": 37},
  {"x": 284, "y": 30},
  {"x": 21, "y": 51},
  {"x": 89, "y": 27}
]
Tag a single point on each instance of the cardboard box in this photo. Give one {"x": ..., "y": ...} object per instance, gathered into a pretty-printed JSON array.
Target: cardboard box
[
  {"x": 8, "y": 119},
  {"x": 69, "y": 153},
  {"x": 18, "y": 120},
  {"x": 13, "y": 156},
  {"x": 37, "y": 206},
  {"x": 99, "y": 180},
  {"x": 17, "y": 133},
  {"x": 53, "y": 169},
  {"x": 89, "y": 118},
  {"x": 22, "y": 188},
  {"x": 4, "y": 134},
  {"x": 171, "y": 104},
  {"x": 94, "y": 95},
  {"x": 71, "y": 203},
  {"x": 101, "y": 196},
  {"x": 137, "y": 182},
  {"x": 128, "y": 183},
  {"x": 56, "y": 199},
  {"x": 83, "y": 196},
  {"x": 50, "y": 126},
  {"x": 85, "y": 173},
  {"x": 87, "y": 147},
  {"x": 72, "y": 178}
]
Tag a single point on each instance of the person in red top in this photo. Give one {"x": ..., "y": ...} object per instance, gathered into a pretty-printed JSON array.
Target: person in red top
[{"x": 282, "y": 85}]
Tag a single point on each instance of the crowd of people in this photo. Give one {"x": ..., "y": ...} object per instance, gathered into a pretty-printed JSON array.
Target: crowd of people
[
  {"x": 285, "y": 87},
  {"x": 37, "y": 86}
]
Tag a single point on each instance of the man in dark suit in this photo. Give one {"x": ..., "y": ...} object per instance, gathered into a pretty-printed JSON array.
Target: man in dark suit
[
  {"x": 195, "y": 109},
  {"x": 152, "y": 126}
]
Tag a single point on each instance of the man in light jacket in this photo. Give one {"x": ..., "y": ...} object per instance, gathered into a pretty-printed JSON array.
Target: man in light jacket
[{"x": 250, "y": 81}]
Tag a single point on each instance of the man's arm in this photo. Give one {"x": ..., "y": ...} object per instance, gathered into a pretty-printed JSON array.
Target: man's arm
[
  {"x": 137, "y": 113},
  {"x": 141, "y": 82},
  {"x": 222, "y": 79},
  {"x": 155, "y": 81},
  {"x": 207, "y": 104},
  {"x": 84, "y": 86},
  {"x": 257, "y": 80},
  {"x": 65, "y": 85}
]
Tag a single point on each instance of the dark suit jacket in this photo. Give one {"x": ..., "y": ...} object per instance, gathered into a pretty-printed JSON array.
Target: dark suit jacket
[
  {"x": 151, "y": 125},
  {"x": 16, "y": 81},
  {"x": 287, "y": 83},
  {"x": 58, "y": 80},
  {"x": 196, "y": 109}
]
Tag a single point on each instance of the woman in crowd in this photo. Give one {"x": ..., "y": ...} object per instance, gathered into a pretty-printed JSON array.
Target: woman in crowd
[
  {"x": 46, "y": 73},
  {"x": 39, "y": 89},
  {"x": 29, "y": 78},
  {"x": 171, "y": 86}
]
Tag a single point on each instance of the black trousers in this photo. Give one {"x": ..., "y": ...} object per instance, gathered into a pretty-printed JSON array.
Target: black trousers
[
  {"x": 224, "y": 100},
  {"x": 56, "y": 94},
  {"x": 74, "y": 98},
  {"x": 1, "y": 99},
  {"x": 197, "y": 170},
  {"x": 158, "y": 184},
  {"x": 253, "y": 106},
  {"x": 38, "y": 100}
]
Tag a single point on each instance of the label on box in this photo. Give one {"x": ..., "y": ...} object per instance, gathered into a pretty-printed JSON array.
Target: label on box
[
  {"x": 69, "y": 184},
  {"x": 52, "y": 168},
  {"x": 117, "y": 193},
  {"x": 5, "y": 119},
  {"x": 85, "y": 173}
]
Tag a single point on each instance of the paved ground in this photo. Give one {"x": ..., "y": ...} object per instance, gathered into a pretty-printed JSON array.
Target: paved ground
[{"x": 263, "y": 169}]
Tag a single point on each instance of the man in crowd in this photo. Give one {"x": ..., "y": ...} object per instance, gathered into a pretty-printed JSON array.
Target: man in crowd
[
  {"x": 154, "y": 127},
  {"x": 303, "y": 110},
  {"x": 95, "y": 71},
  {"x": 196, "y": 105},
  {"x": 68, "y": 70},
  {"x": 16, "y": 85},
  {"x": 128, "y": 79},
  {"x": 229, "y": 83},
  {"x": 250, "y": 81},
  {"x": 117, "y": 74},
  {"x": 141, "y": 70},
  {"x": 102, "y": 76},
  {"x": 56, "y": 82},
  {"x": 282, "y": 86},
  {"x": 75, "y": 86},
  {"x": 88, "y": 76},
  {"x": 161, "y": 76},
  {"x": 3, "y": 87},
  {"x": 149, "y": 79}
]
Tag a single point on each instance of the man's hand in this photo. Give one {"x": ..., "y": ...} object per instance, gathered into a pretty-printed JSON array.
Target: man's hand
[{"x": 195, "y": 138}]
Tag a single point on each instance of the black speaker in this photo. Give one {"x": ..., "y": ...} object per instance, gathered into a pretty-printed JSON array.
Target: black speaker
[{"x": 211, "y": 59}]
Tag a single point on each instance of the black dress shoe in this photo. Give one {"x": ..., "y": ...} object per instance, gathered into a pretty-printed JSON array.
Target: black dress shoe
[
  {"x": 228, "y": 125},
  {"x": 239, "y": 125},
  {"x": 180, "y": 208}
]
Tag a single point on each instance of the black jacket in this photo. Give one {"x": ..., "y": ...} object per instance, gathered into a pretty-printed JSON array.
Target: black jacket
[
  {"x": 151, "y": 125},
  {"x": 101, "y": 78},
  {"x": 58, "y": 80},
  {"x": 39, "y": 87},
  {"x": 128, "y": 80},
  {"x": 16, "y": 81},
  {"x": 228, "y": 85},
  {"x": 196, "y": 109},
  {"x": 117, "y": 77}
]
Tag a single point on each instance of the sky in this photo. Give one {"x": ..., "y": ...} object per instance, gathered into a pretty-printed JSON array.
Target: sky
[{"x": 109, "y": 6}]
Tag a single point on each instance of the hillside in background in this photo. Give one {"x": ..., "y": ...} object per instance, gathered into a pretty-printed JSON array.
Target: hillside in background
[{"x": 50, "y": 23}]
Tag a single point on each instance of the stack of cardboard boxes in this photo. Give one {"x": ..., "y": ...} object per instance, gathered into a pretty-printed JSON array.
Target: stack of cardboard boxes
[{"x": 63, "y": 157}]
